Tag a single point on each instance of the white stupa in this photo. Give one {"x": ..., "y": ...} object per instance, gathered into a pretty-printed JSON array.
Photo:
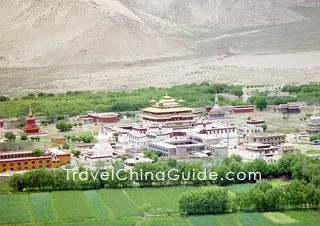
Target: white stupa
[
  {"x": 217, "y": 111},
  {"x": 102, "y": 149}
]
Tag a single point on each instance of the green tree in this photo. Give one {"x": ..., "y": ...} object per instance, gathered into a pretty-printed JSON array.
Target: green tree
[
  {"x": 264, "y": 127},
  {"x": 66, "y": 146},
  {"x": 44, "y": 123},
  {"x": 76, "y": 153},
  {"x": 37, "y": 152},
  {"x": 10, "y": 136},
  {"x": 275, "y": 198},
  {"x": 172, "y": 163},
  {"x": 23, "y": 136},
  {"x": 261, "y": 102},
  {"x": 64, "y": 126},
  {"x": 258, "y": 199},
  {"x": 151, "y": 155},
  {"x": 4, "y": 98},
  {"x": 60, "y": 117},
  {"x": 86, "y": 138},
  {"x": 209, "y": 201}
]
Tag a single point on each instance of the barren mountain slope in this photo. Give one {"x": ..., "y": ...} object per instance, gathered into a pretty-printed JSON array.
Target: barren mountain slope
[
  {"x": 46, "y": 32},
  {"x": 71, "y": 31},
  {"x": 230, "y": 13},
  {"x": 307, "y": 3}
]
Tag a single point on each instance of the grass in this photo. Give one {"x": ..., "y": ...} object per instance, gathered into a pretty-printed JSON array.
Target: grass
[
  {"x": 4, "y": 187},
  {"x": 157, "y": 201},
  {"x": 114, "y": 222},
  {"x": 119, "y": 203},
  {"x": 240, "y": 187},
  {"x": 122, "y": 207},
  {"x": 97, "y": 204},
  {"x": 313, "y": 152},
  {"x": 14, "y": 209},
  {"x": 204, "y": 220},
  {"x": 167, "y": 221},
  {"x": 41, "y": 207},
  {"x": 248, "y": 219},
  {"x": 71, "y": 205},
  {"x": 174, "y": 193},
  {"x": 279, "y": 218},
  {"x": 278, "y": 182},
  {"x": 306, "y": 217},
  {"x": 227, "y": 219}
]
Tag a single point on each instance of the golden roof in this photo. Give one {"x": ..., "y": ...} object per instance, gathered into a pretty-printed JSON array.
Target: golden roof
[
  {"x": 167, "y": 105},
  {"x": 167, "y": 102}
]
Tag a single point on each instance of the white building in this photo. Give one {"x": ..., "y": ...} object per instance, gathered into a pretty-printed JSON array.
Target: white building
[
  {"x": 252, "y": 151},
  {"x": 249, "y": 130},
  {"x": 180, "y": 148}
]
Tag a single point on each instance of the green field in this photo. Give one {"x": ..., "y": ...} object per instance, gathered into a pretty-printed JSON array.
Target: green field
[{"x": 126, "y": 207}]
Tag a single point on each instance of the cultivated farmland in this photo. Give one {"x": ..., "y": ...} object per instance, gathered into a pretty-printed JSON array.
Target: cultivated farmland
[{"x": 130, "y": 207}]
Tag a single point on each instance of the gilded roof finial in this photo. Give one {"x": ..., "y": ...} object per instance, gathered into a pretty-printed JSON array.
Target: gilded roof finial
[
  {"x": 216, "y": 100},
  {"x": 30, "y": 110},
  {"x": 101, "y": 131}
]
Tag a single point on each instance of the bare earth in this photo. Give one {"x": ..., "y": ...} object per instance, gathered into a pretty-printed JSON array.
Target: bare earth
[
  {"x": 235, "y": 70},
  {"x": 57, "y": 46}
]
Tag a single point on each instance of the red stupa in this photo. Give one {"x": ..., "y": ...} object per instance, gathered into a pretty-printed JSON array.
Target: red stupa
[{"x": 31, "y": 126}]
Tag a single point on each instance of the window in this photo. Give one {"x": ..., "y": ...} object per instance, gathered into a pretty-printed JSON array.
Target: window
[
  {"x": 11, "y": 169},
  {"x": 33, "y": 162},
  {"x": 11, "y": 164},
  {"x": 26, "y": 167},
  {"x": 40, "y": 161},
  {"x": 19, "y": 163},
  {"x": 19, "y": 168},
  {"x": 4, "y": 165}
]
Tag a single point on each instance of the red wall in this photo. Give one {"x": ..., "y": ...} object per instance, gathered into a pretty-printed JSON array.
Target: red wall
[
  {"x": 110, "y": 119},
  {"x": 242, "y": 110}
]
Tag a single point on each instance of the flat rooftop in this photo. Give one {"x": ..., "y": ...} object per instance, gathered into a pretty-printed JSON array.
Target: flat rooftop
[
  {"x": 15, "y": 152},
  {"x": 267, "y": 135},
  {"x": 26, "y": 158}
]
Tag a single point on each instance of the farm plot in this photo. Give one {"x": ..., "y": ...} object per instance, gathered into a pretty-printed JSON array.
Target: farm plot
[
  {"x": 71, "y": 205},
  {"x": 228, "y": 219},
  {"x": 240, "y": 187},
  {"x": 153, "y": 201},
  {"x": 41, "y": 207},
  {"x": 119, "y": 203},
  {"x": 279, "y": 218},
  {"x": 96, "y": 203},
  {"x": 204, "y": 220},
  {"x": 307, "y": 217},
  {"x": 174, "y": 192},
  {"x": 167, "y": 221},
  {"x": 14, "y": 209},
  {"x": 121, "y": 222},
  {"x": 249, "y": 219}
]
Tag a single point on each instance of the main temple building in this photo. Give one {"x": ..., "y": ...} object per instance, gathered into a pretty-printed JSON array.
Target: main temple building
[{"x": 168, "y": 112}]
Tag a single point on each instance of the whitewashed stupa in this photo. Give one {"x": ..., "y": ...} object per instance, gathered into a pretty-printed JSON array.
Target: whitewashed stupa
[{"x": 102, "y": 150}]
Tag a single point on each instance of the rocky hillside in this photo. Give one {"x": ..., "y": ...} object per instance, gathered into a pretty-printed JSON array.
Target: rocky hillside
[
  {"x": 307, "y": 3},
  {"x": 54, "y": 32}
]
